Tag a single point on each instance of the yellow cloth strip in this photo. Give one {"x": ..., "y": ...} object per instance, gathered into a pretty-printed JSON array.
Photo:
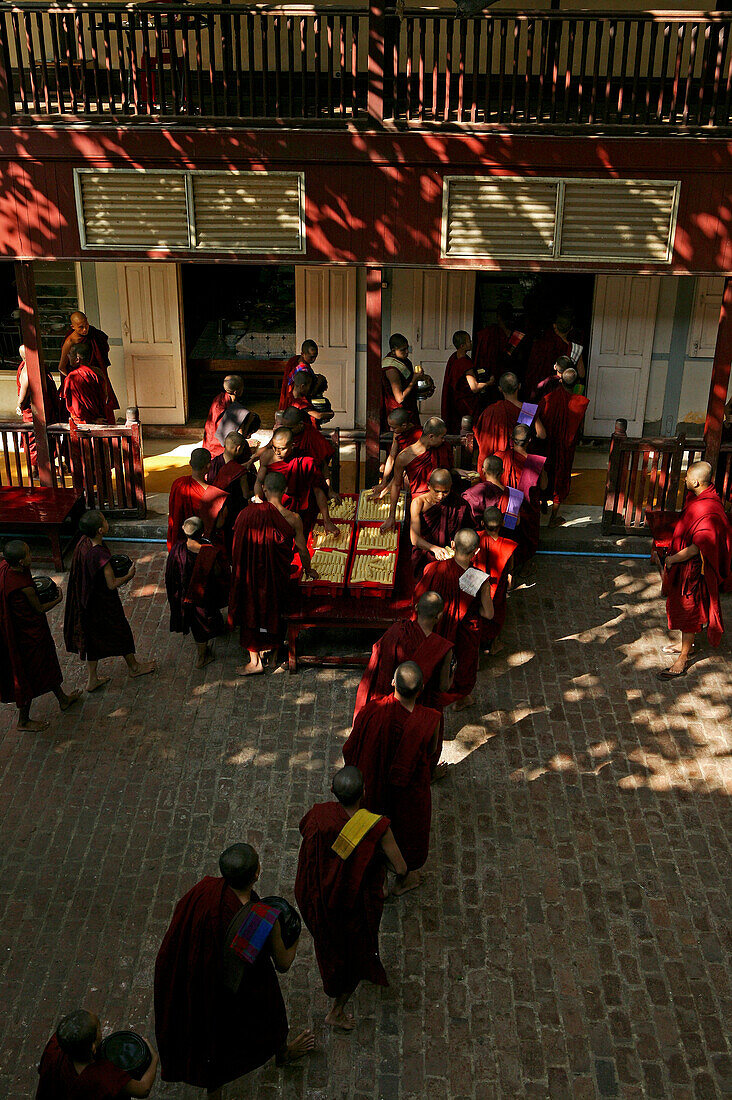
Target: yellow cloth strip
[{"x": 353, "y": 832}]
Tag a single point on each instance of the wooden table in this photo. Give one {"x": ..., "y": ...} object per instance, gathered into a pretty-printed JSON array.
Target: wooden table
[{"x": 40, "y": 511}]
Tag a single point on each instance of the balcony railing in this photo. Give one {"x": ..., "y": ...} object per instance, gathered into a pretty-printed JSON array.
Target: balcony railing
[{"x": 650, "y": 71}]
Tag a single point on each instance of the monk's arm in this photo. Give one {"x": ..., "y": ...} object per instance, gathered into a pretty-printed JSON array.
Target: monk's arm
[
  {"x": 23, "y": 392},
  {"x": 283, "y": 956},
  {"x": 63, "y": 363},
  {"x": 486, "y": 603},
  {"x": 42, "y": 608},
  {"x": 399, "y": 392},
  {"x": 581, "y": 368},
  {"x": 543, "y": 480},
  {"x": 322, "y": 502},
  {"x": 302, "y": 546},
  {"x": 144, "y": 1085},
  {"x": 475, "y": 386},
  {"x": 445, "y": 679},
  {"x": 379, "y": 489},
  {"x": 539, "y": 429},
  {"x": 117, "y": 582},
  {"x": 390, "y": 848},
  {"x": 686, "y": 554},
  {"x": 244, "y": 486},
  {"x": 221, "y": 517},
  {"x": 396, "y": 481},
  {"x": 261, "y": 474}
]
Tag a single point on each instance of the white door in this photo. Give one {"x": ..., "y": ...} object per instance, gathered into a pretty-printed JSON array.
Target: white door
[
  {"x": 325, "y": 299},
  {"x": 623, "y": 323},
  {"x": 428, "y": 306},
  {"x": 151, "y": 322}
]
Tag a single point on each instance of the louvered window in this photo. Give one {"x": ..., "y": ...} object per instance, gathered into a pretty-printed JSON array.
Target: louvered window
[
  {"x": 240, "y": 212},
  {"x": 551, "y": 219}
]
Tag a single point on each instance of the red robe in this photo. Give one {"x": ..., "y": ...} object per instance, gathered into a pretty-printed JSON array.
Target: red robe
[
  {"x": 311, "y": 443},
  {"x": 562, "y": 414},
  {"x": 262, "y": 556},
  {"x": 494, "y": 556},
  {"x": 388, "y": 401},
  {"x": 458, "y": 400},
  {"x": 293, "y": 365},
  {"x": 227, "y": 477},
  {"x": 206, "y": 1034},
  {"x": 495, "y": 351},
  {"x": 99, "y": 343},
  {"x": 403, "y": 641},
  {"x": 460, "y": 624},
  {"x": 482, "y": 495},
  {"x": 189, "y": 498},
  {"x": 95, "y": 624},
  {"x": 303, "y": 476},
  {"x": 58, "y": 1079},
  {"x": 692, "y": 589},
  {"x": 523, "y": 472},
  {"x": 493, "y": 430},
  {"x": 421, "y": 468},
  {"x": 544, "y": 353},
  {"x": 51, "y": 404},
  {"x": 197, "y": 586},
  {"x": 85, "y": 398},
  {"x": 391, "y": 748},
  {"x": 28, "y": 660},
  {"x": 438, "y": 526},
  {"x": 408, "y": 438},
  {"x": 218, "y": 407},
  {"x": 341, "y": 901}
]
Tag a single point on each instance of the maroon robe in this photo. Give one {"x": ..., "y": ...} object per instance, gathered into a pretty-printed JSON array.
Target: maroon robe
[
  {"x": 84, "y": 395},
  {"x": 28, "y": 660},
  {"x": 420, "y": 469},
  {"x": 403, "y": 641},
  {"x": 493, "y": 430},
  {"x": 311, "y": 442},
  {"x": 189, "y": 498},
  {"x": 458, "y": 400},
  {"x": 544, "y": 353},
  {"x": 493, "y": 557},
  {"x": 388, "y": 401},
  {"x": 341, "y": 901},
  {"x": 95, "y": 624},
  {"x": 561, "y": 413},
  {"x": 227, "y": 477},
  {"x": 197, "y": 586},
  {"x": 99, "y": 343},
  {"x": 303, "y": 476},
  {"x": 206, "y": 1034},
  {"x": 460, "y": 624},
  {"x": 523, "y": 472},
  {"x": 391, "y": 748},
  {"x": 58, "y": 1079},
  {"x": 692, "y": 588},
  {"x": 264, "y": 547},
  {"x": 217, "y": 410},
  {"x": 482, "y": 495},
  {"x": 496, "y": 351},
  {"x": 51, "y": 404},
  {"x": 292, "y": 367},
  {"x": 408, "y": 438},
  {"x": 438, "y": 526}
]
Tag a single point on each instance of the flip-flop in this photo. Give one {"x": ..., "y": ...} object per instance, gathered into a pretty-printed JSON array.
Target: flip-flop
[{"x": 668, "y": 675}]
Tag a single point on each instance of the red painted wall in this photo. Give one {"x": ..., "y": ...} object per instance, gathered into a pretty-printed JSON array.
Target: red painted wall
[{"x": 371, "y": 197}]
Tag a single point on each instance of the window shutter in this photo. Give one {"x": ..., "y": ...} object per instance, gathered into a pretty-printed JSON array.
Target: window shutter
[
  {"x": 499, "y": 216},
  {"x": 618, "y": 220},
  {"x": 129, "y": 209},
  {"x": 249, "y": 212}
]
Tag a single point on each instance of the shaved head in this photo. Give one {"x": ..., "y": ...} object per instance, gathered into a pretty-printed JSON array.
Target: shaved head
[
  {"x": 234, "y": 440},
  {"x": 430, "y": 606},
  {"x": 193, "y": 526},
  {"x": 302, "y": 382},
  {"x": 434, "y": 426},
  {"x": 398, "y": 340},
  {"x": 508, "y": 383},
  {"x": 275, "y": 483},
  {"x": 563, "y": 321},
  {"x": 234, "y": 383},
  {"x": 441, "y": 479},
  {"x": 460, "y": 338},
  {"x": 77, "y": 316},
  {"x": 90, "y": 523},
  {"x": 200, "y": 460},
  {"x": 701, "y": 472},
  {"x": 522, "y": 434},
  {"x": 308, "y": 347},
  {"x": 15, "y": 551},
  {"x": 563, "y": 363},
  {"x": 348, "y": 786},
  {"x": 239, "y": 865},
  {"x": 466, "y": 541},
  {"x": 408, "y": 680},
  {"x": 80, "y": 353},
  {"x": 493, "y": 466},
  {"x": 282, "y": 437},
  {"x": 397, "y": 418},
  {"x": 493, "y": 518},
  {"x": 569, "y": 378},
  {"x": 77, "y": 1034},
  {"x": 292, "y": 417}
]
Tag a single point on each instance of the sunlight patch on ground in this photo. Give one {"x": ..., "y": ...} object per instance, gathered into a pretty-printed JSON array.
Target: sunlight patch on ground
[{"x": 466, "y": 741}]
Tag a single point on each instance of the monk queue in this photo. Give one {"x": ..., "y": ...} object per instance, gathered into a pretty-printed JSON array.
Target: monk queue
[{"x": 237, "y": 522}]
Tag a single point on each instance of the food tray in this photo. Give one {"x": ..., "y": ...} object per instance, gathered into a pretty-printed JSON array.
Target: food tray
[
  {"x": 346, "y": 510},
  {"x": 376, "y": 511},
  {"x": 369, "y": 537},
  {"x": 382, "y": 587},
  {"x": 335, "y": 563},
  {"x": 319, "y": 540}
]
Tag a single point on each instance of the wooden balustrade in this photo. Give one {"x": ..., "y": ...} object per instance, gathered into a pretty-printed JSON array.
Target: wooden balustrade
[{"x": 645, "y": 70}]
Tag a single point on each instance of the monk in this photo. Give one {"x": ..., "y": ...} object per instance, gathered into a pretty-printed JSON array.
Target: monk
[
  {"x": 81, "y": 332},
  {"x": 219, "y": 1011},
  {"x": 398, "y": 380},
  {"x": 297, "y": 364},
  {"x": 190, "y": 495},
  {"x": 51, "y": 403},
  {"x": 72, "y": 1068},
  {"x": 430, "y": 452},
  {"x": 83, "y": 389},
  {"x": 490, "y": 492},
  {"x": 434, "y": 518},
  {"x": 28, "y": 660},
  {"x": 306, "y": 487},
  {"x": 265, "y": 538},
  {"x": 197, "y": 584},
  {"x": 467, "y": 598},
  {"x": 493, "y": 428},
  {"x": 697, "y": 568},
  {"x": 413, "y": 640},
  {"x": 404, "y": 432},
  {"x": 525, "y": 473},
  {"x": 554, "y": 381},
  {"x": 560, "y": 338},
  {"x": 495, "y": 557},
  {"x": 95, "y": 624},
  {"x": 562, "y": 411},
  {"x": 309, "y": 439},
  {"x": 339, "y": 890},
  {"x": 392, "y": 744},
  {"x": 230, "y": 471},
  {"x": 233, "y": 390},
  {"x": 462, "y": 393},
  {"x": 498, "y": 346}
]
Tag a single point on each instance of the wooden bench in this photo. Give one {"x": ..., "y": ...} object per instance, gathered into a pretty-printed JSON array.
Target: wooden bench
[{"x": 41, "y": 512}]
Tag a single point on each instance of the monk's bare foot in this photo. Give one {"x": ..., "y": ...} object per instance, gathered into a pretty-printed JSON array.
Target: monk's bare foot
[
  {"x": 97, "y": 682},
  {"x": 440, "y": 772},
  {"x": 33, "y": 727},
  {"x": 205, "y": 660},
  {"x": 298, "y": 1048},
  {"x": 675, "y": 648},
  {"x": 254, "y": 668},
  {"x": 678, "y": 668},
  {"x": 495, "y": 648},
  {"x": 410, "y": 881},
  {"x": 463, "y": 704},
  {"x": 141, "y": 668},
  {"x": 340, "y": 1019},
  {"x": 556, "y": 521},
  {"x": 71, "y": 698}
]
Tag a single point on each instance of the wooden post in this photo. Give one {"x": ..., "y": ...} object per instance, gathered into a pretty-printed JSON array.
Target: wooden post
[
  {"x": 373, "y": 373},
  {"x": 377, "y": 59},
  {"x": 29, "y": 327},
  {"x": 720, "y": 378},
  {"x": 5, "y": 80}
]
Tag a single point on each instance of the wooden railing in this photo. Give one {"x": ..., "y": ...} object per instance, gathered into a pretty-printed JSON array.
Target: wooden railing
[
  {"x": 103, "y": 463},
  {"x": 645, "y": 474},
  {"x": 647, "y": 70}
]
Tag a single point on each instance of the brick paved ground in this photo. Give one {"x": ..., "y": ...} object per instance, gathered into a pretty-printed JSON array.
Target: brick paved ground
[{"x": 569, "y": 940}]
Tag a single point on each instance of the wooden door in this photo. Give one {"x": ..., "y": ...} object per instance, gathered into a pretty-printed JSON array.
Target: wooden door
[
  {"x": 325, "y": 299},
  {"x": 623, "y": 323},
  {"x": 151, "y": 340},
  {"x": 428, "y": 306}
]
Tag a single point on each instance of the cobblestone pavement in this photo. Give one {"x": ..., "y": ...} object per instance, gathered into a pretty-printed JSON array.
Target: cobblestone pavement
[{"x": 569, "y": 939}]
